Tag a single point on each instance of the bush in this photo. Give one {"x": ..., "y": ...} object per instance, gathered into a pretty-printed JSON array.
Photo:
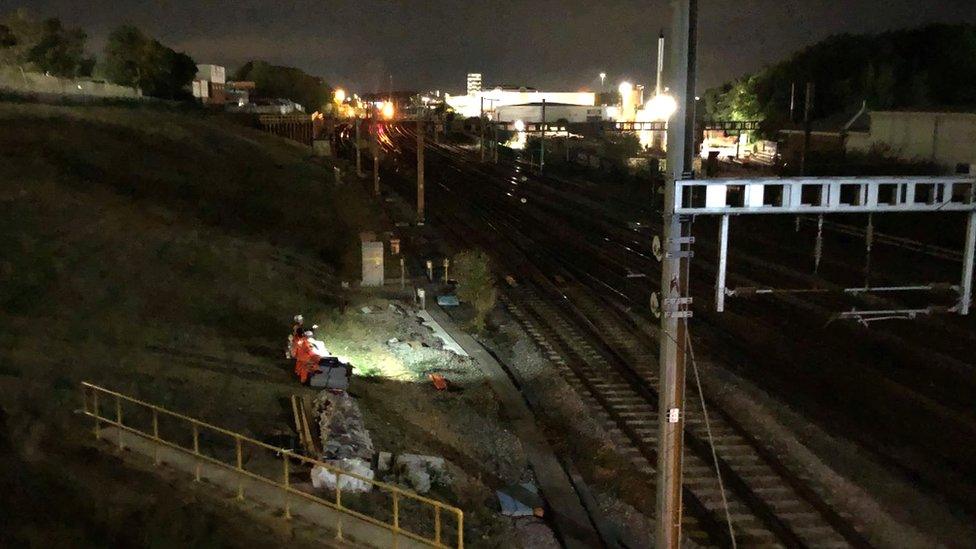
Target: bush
[{"x": 475, "y": 283}]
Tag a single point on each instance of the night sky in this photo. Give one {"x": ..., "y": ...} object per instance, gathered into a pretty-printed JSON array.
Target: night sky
[{"x": 433, "y": 44}]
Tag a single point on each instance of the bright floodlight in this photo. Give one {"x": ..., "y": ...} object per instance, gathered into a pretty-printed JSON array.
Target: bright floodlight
[
  {"x": 625, "y": 88},
  {"x": 661, "y": 107},
  {"x": 387, "y": 110},
  {"x": 603, "y": 76},
  {"x": 519, "y": 126},
  {"x": 340, "y": 95}
]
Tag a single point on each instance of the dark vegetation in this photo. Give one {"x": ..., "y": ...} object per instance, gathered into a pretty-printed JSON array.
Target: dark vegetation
[
  {"x": 288, "y": 82},
  {"x": 931, "y": 66},
  {"x": 47, "y": 45},
  {"x": 131, "y": 58},
  {"x": 161, "y": 254},
  {"x": 136, "y": 60}
]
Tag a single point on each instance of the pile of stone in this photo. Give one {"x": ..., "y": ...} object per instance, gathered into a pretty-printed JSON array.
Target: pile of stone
[
  {"x": 413, "y": 471},
  {"x": 348, "y": 447},
  {"x": 346, "y": 443}
]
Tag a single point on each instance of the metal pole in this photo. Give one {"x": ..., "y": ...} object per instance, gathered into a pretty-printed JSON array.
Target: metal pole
[
  {"x": 420, "y": 172},
  {"x": 723, "y": 257},
  {"x": 807, "y": 109},
  {"x": 359, "y": 153},
  {"x": 481, "y": 126},
  {"x": 868, "y": 244},
  {"x": 376, "y": 160},
  {"x": 494, "y": 148},
  {"x": 792, "y": 101},
  {"x": 966, "y": 288},
  {"x": 818, "y": 247},
  {"x": 542, "y": 139},
  {"x": 658, "y": 86},
  {"x": 681, "y": 141}
]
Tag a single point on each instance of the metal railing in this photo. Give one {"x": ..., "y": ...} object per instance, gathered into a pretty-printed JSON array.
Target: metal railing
[{"x": 95, "y": 398}]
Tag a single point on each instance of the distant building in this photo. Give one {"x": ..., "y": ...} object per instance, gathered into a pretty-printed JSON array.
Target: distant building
[
  {"x": 532, "y": 112},
  {"x": 828, "y": 135},
  {"x": 208, "y": 84},
  {"x": 267, "y": 106},
  {"x": 474, "y": 83},
  {"x": 945, "y": 138},
  {"x": 941, "y": 137},
  {"x": 239, "y": 93},
  {"x": 471, "y": 104}
]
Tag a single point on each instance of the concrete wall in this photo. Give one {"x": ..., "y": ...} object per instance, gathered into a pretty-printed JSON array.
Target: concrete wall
[
  {"x": 11, "y": 78},
  {"x": 945, "y": 138}
]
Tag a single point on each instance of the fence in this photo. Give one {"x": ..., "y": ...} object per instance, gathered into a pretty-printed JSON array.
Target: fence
[
  {"x": 297, "y": 127},
  {"x": 208, "y": 443}
]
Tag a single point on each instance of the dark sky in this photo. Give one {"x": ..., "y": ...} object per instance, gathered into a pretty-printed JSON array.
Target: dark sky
[{"x": 434, "y": 43}]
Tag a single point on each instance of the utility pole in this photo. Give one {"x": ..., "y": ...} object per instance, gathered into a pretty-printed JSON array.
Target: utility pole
[
  {"x": 807, "y": 111},
  {"x": 658, "y": 83},
  {"x": 792, "y": 102},
  {"x": 675, "y": 303},
  {"x": 420, "y": 172},
  {"x": 542, "y": 139},
  {"x": 494, "y": 147},
  {"x": 359, "y": 153},
  {"x": 376, "y": 159},
  {"x": 481, "y": 125}
]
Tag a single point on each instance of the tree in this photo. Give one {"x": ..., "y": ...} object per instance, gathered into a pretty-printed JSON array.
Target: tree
[
  {"x": 60, "y": 51},
  {"x": 7, "y": 37},
  {"x": 134, "y": 59},
  {"x": 22, "y": 32},
  {"x": 934, "y": 65},
  {"x": 274, "y": 81},
  {"x": 476, "y": 285}
]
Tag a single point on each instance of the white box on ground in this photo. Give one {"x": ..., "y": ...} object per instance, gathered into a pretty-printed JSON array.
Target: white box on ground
[{"x": 372, "y": 263}]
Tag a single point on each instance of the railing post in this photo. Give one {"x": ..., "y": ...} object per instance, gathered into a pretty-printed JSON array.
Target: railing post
[
  {"x": 460, "y": 527},
  {"x": 196, "y": 450},
  {"x": 240, "y": 467},
  {"x": 338, "y": 506},
  {"x": 287, "y": 475},
  {"x": 118, "y": 418},
  {"x": 98, "y": 423},
  {"x": 437, "y": 525},
  {"x": 396, "y": 519},
  {"x": 156, "y": 436}
]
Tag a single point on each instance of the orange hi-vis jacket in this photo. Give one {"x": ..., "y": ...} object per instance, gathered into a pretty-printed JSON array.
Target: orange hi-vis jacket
[{"x": 306, "y": 357}]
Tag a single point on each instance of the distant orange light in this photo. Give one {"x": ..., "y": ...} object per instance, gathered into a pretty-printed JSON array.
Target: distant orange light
[{"x": 387, "y": 110}]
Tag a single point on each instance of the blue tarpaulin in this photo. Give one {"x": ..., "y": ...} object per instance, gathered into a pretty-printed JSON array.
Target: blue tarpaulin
[{"x": 448, "y": 301}]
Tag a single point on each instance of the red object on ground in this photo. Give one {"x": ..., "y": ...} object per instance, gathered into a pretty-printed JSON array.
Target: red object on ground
[
  {"x": 439, "y": 382},
  {"x": 306, "y": 359}
]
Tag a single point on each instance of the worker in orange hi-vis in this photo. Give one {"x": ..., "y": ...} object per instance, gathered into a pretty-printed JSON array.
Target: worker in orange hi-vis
[{"x": 307, "y": 352}]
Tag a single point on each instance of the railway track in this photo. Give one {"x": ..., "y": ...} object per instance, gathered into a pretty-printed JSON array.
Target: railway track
[
  {"x": 768, "y": 506},
  {"x": 615, "y": 368}
]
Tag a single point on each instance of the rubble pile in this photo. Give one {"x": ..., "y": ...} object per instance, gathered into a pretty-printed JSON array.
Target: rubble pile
[
  {"x": 414, "y": 471},
  {"x": 345, "y": 441}
]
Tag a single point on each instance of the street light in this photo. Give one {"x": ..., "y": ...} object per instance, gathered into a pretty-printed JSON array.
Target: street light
[
  {"x": 339, "y": 95},
  {"x": 603, "y": 77}
]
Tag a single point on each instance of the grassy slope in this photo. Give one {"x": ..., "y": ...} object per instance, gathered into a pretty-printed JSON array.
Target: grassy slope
[{"x": 160, "y": 254}]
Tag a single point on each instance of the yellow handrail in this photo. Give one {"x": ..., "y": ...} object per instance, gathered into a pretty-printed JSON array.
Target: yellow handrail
[{"x": 286, "y": 455}]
